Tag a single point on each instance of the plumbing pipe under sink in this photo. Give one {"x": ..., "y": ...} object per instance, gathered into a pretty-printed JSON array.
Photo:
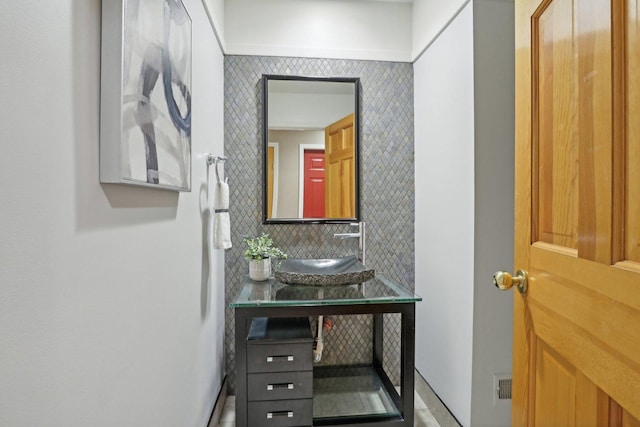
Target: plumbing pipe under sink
[
  {"x": 318, "y": 345},
  {"x": 324, "y": 327}
]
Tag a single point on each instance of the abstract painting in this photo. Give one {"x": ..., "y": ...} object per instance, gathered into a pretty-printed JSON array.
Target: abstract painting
[{"x": 146, "y": 130}]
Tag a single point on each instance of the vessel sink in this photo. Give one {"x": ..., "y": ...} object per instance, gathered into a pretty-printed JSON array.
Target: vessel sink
[{"x": 323, "y": 271}]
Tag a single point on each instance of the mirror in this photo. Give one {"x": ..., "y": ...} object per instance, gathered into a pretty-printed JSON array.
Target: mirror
[{"x": 310, "y": 149}]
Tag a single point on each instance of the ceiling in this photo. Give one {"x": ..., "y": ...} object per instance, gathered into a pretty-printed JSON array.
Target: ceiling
[{"x": 381, "y": 1}]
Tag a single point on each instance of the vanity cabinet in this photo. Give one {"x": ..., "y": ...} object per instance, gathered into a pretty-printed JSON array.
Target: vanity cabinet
[
  {"x": 282, "y": 360},
  {"x": 279, "y": 372}
]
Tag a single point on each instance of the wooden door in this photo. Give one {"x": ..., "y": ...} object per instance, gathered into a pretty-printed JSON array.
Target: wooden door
[
  {"x": 340, "y": 168},
  {"x": 314, "y": 182},
  {"x": 577, "y": 329},
  {"x": 270, "y": 179}
]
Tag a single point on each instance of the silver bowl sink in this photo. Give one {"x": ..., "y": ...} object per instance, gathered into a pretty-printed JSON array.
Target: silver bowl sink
[{"x": 323, "y": 272}]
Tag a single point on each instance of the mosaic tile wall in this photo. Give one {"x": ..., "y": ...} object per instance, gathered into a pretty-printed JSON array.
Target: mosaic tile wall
[{"x": 386, "y": 183}]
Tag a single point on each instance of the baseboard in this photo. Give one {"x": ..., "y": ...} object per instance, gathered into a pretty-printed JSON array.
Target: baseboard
[
  {"x": 440, "y": 412},
  {"x": 219, "y": 406}
]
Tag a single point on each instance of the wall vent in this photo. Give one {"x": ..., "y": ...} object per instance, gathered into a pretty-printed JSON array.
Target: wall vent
[
  {"x": 501, "y": 388},
  {"x": 504, "y": 389}
]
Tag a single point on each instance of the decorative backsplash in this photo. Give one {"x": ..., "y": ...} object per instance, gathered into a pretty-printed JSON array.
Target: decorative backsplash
[{"x": 386, "y": 190}]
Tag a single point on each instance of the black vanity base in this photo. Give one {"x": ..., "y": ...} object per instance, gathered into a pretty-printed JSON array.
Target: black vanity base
[{"x": 342, "y": 395}]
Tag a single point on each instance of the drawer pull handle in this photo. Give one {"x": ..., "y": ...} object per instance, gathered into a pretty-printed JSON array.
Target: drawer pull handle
[
  {"x": 271, "y": 359},
  {"x": 288, "y": 386},
  {"x": 288, "y": 414}
]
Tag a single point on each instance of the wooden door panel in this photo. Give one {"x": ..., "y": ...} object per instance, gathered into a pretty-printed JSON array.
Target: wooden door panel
[
  {"x": 614, "y": 373},
  {"x": 571, "y": 398},
  {"x": 572, "y": 119},
  {"x": 632, "y": 228},
  {"x": 577, "y": 330},
  {"x": 555, "y": 143},
  {"x": 571, "y": 306},
  {"x": 628, "y": 420},
  {"x": 340, "y": 168},
  {"x": 611, "y": 283},
  {"x": 553, "y": 373},
  {"x": 595, "y": 131},
  {"x": 589, "y": 316},
  {"x": 348, "y": 183}
]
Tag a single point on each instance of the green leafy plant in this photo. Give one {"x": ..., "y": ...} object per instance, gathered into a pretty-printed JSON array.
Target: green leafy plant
[{"x": 261, "y": 248}]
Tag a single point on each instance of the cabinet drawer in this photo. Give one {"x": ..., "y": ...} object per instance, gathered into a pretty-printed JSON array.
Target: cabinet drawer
[
  {"x": 281, "y": 413},
  {"x": 279, "y": 357},
  {"x": 280, "y": 385}
]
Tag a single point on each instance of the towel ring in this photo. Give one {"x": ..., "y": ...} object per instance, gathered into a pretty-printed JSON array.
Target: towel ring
[
  {"x": 217, "y": 172},
  {"x": 215, "y": 160}
]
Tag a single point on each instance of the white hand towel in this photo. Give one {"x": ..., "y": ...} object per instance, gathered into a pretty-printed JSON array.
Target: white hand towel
[{"x": 221, "y": 222}]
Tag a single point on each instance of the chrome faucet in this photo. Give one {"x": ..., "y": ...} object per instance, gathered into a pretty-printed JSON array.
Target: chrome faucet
[{"x": 361, "y": 235}]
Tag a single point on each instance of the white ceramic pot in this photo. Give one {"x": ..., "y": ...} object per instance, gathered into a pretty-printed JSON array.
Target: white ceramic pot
[{"x": 260, "y": 270}]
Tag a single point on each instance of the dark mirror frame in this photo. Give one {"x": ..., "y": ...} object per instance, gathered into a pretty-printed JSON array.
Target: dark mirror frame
[{"x": 265, "y": 142}]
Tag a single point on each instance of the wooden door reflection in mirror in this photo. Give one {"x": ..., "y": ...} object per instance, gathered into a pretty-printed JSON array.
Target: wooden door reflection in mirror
[{"x": 313, "y": 122}]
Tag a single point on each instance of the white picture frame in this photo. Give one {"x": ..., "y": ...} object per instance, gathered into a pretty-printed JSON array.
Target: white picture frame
[{"x": 145, "y": 102}]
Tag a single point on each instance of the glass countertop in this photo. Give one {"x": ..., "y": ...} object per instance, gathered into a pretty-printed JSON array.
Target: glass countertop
[{"x": 272, "y": 293}]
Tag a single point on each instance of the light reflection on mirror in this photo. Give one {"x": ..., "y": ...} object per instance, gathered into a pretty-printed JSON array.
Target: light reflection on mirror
[{"x": 311, "y": 145}]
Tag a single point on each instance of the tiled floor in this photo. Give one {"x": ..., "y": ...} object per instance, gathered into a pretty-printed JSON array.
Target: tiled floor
[
  {"x": 430, "y": 414},
  {"x": 423, "y": 417}
]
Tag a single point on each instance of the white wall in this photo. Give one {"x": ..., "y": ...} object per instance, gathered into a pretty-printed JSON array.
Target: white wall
[
  {"x": 429, "y": 18},
  {"x": 215, "y": 13},
  {"x": 464, "y": 95},
  {"x": 319, "y": 29},
  {"x": 111, "y": 308},
  {"x": 289, "y": 167},
  {"x": 308, "y": 111},
  {"x": 444, "y": 229},
  {"x": 494, "y": 159}
]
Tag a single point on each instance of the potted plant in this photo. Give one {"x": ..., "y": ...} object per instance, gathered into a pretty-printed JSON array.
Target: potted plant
[{"x": 259, "y": 252}]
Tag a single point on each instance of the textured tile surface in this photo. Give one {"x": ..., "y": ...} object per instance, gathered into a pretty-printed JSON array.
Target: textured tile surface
[{"x": 386, "y": 196}]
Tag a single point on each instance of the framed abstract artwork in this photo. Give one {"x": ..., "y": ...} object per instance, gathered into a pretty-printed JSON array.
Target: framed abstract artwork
[{"x": 145, "y": 102}]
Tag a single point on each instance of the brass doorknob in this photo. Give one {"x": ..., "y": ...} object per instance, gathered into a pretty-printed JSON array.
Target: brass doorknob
[{"x": 505, "y": 281}]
